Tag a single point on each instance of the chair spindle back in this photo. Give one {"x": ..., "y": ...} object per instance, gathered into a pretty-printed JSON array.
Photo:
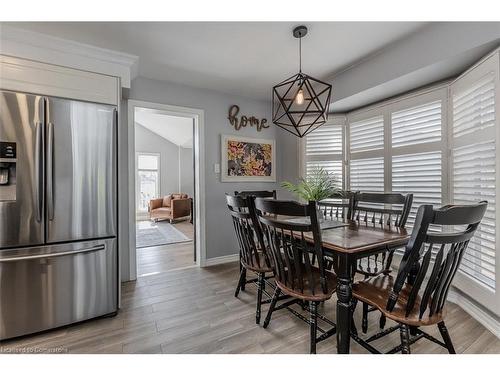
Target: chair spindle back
[
  {"x": 248, "y": 232},
  {"x": 372, "y": 208},
  {"x": 337, "y": 209},
  {"x": 380, "y": 209},
  {"x": 448, "y": 248},
  {"x": 285, "y": 225}
]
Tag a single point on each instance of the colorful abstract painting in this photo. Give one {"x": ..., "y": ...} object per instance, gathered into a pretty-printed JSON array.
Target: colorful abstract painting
[{"x": 247, "y": 159}]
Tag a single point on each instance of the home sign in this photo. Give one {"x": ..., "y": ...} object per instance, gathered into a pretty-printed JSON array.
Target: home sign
[{"x": 243, "y": 121}]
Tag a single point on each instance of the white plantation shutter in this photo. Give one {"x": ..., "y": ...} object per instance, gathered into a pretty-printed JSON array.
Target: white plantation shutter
[
  {"x": 473, "y": 180},
  {"x": 474, "y": 171},
  {"x": 326, "y": 140},
  {"x": 474, "y": 128},
  {"x": 420, "y": 124},
  {"x": 367, "y": 174},
  {"x": 334, "y": 167},
  {"x": 366, "y": 164},
  {"x": 323, "y": 148},
  {"x": 474, "y": 108},
  {"x": 415, "y": 171},
  {"x": 419, "y": 174},
  {"x": 367, "y": 135}
]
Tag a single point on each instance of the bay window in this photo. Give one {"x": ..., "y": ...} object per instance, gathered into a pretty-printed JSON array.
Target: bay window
[{"x": 440, "y": 144}]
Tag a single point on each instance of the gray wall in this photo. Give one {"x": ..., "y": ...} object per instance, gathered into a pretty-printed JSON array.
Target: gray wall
[
  {"x": 186, "y": 172},
  {"x": 220, "y": 240},
  {"x": 148, "y": 141},
  {"x": 290, "y": 170}
]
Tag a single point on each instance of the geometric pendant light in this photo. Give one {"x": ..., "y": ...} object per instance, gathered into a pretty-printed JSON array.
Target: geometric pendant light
[{"x": 300, "y": 103}]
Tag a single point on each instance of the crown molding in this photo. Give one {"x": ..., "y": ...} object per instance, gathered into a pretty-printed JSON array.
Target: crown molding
[{"x": 63, "y": 52}]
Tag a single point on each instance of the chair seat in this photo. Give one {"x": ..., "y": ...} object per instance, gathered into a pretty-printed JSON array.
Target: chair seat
[
  {"x": 257, "y": 266},
  {"x": 376, "y": 290},
  {"x": 162, "y": 209},
  {"x": 307, "y": 293}
]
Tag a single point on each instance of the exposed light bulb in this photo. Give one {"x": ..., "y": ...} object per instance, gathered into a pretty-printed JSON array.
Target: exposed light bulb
[{"x": 299, "y": 98}]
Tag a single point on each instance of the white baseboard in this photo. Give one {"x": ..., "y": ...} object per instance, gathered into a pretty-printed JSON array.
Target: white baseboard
[
  {"x": 485, "y": 318},
  {"x": 221, "y": 260}
]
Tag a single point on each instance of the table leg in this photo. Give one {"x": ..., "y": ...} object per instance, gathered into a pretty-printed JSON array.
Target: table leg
[{"x": 344, "y": 300}]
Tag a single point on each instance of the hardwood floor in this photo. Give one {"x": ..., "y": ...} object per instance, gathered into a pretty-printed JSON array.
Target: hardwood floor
[
  {"x": 157, "y": 259},
  {"x": 193, "y": 310}
]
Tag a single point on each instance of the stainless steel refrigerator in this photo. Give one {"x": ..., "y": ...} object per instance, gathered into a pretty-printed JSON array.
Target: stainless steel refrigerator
[{"x": 58, "y": 212}]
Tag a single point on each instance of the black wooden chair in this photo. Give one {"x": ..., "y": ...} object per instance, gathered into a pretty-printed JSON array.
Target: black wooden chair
[
  {"x": 338, "y": 208},
  {"x": 291, "y": 257},
  {"x": 378, "y": 209},
  {"x": 403, "y": 298},
  {"x": 253, "y": 255},
  {"x": 255, "y": 194}
]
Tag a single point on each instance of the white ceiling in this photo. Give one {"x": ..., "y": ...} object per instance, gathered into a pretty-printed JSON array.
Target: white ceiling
[
  {"x": 243, "y": 58},
  {"x": 178, "y": 130}
]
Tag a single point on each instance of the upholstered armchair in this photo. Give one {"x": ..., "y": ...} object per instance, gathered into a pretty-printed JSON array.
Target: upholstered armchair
[{"x": 170, "y": 207}]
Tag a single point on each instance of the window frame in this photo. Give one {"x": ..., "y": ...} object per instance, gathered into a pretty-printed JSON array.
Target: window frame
[{"x": 137, "y": 181}]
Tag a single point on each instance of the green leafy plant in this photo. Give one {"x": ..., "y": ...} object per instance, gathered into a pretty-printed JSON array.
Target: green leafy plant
[{"x": 319, "y": 184}]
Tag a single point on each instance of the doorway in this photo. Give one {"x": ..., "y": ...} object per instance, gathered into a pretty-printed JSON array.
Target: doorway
[{"x": 166, "y": 202}]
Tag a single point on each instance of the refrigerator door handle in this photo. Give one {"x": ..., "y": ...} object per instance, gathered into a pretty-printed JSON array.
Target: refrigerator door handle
[
  {"x": 50, "y": 170},
  {"x": 39, "y": 170},
  {"x": 45, "y": 256}
]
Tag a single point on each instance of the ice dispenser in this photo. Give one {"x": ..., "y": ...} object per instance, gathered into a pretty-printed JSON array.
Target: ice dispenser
[{"x": 7, "y": 171}]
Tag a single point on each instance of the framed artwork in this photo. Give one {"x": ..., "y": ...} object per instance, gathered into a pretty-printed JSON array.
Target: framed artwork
[{"x": 247, "y": 159}]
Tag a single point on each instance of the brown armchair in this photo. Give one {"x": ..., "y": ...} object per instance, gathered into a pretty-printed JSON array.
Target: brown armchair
[{"x": 170, "y": 207}]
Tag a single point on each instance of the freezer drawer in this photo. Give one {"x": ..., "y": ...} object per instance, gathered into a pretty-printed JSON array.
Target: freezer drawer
[{"x": 52, "y": 286}]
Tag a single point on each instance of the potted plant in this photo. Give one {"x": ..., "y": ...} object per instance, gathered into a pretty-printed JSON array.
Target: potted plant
[{"x": 318, "y": 185}]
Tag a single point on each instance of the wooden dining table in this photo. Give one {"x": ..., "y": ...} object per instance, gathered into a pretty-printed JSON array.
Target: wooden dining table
[{"x": 348, "y": 243}]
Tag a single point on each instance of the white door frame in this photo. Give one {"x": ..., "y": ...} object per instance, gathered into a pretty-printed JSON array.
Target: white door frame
[{"x": 198, "y": 116}]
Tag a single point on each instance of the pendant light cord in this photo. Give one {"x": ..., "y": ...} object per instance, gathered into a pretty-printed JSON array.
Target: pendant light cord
[{"x": 300, "y": 54}]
